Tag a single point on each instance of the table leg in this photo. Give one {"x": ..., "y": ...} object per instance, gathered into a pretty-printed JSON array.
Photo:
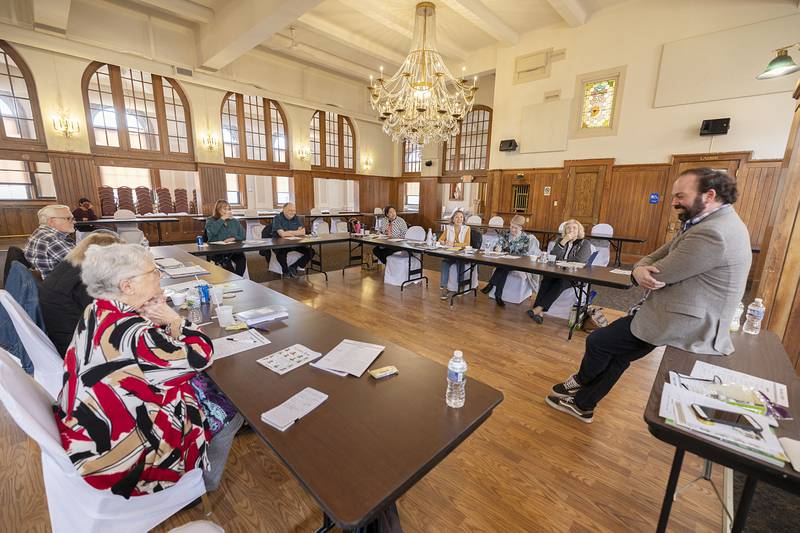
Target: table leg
[
  {"x": 727, "y": 499},
  {"x": 579, "y": 310},
  {"x": 744, "y": 504},
  {"x": 414, "y": 271},
  {"x": 669, "y": 495},
  {"x": 316, "y": 261},
  {"x": 158, "y": 231},
  {"x": 617, "y": 252},
  {"x": 327, "y": 524}
]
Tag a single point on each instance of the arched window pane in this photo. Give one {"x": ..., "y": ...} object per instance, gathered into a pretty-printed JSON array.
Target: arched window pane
[
  {"x": 474, "y": 138},
  {"x": 15, "y": 109},
  {"x": 101, "y": 107},
  {"x": 315, "y": 139},
  {"x": 450, "y": 155},
  {"x": 140, "y": 109},
  {"x": 347, "y": 139},
  {"x": 254, "y": 130},
  {"x": 279, "y": 151},
  {"x": 331, "y": 140},
  {"x": 412, "y": 157},
  {"x": 177, "y": 134},
  {"x": 230, "y": 127}
]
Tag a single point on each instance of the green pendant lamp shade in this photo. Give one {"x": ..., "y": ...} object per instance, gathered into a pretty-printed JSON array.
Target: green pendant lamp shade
[{"x": 780, "y": 66}]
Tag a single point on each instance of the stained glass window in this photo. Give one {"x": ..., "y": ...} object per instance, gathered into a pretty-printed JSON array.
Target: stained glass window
[{"x": 598, "y": 103}]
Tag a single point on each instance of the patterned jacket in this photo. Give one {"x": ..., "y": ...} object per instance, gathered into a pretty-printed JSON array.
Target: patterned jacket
[
  {"x": 46, "y": 248},
  {"x": 128, "y": 417},
  {"x": 518, "y": 245},
  {"x": 399, "y": 227}
]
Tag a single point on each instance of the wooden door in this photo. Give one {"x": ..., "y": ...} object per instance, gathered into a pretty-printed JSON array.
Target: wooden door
[{"x": 585, "y": 182}]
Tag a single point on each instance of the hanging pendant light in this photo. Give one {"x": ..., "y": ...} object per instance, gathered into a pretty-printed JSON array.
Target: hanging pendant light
[
  {"x": 422, "y": 102},
  {"x": 782, "y": 65}
]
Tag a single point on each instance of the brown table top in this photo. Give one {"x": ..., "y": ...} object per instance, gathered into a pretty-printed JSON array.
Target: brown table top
[
  {"x": 760, "y": 355},
  {"x": 370, "y": 441},
  {"x": 261, "y": 244},
  {"x": 617, "y": 238},
  {"x": 216, "y": 273},
  {"x": 590, "y": 274}
]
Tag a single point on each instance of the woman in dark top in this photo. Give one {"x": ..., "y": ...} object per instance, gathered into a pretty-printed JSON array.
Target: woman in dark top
[
  {"x": 571, "y": 246},
  {"x": 62, "y": 295}
]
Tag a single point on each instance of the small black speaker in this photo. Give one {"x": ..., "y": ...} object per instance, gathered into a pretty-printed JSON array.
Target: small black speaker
[
  {"x": 715, "y": 126},
  {"x": 428, "y": 163},
  {"x": 508, "y": 145}
]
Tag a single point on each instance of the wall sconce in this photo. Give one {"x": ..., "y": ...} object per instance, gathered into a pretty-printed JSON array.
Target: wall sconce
[
  {"x": 366, "y": 163},
  {"x": 303, "y": 152},
  {"x": 66, "y": 125},
  {"x": 210, "y": 141}
]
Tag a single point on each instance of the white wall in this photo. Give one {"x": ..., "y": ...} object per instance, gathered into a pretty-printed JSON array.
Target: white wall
[
  {"x": 633, "y": 34},
  {"x": 333, "y": 193}
]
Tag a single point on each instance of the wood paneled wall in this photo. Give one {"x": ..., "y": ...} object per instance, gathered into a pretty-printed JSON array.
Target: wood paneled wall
[
  {"x": 303, "y": 191},
  {"x": 212, "y": 186},
  {"x": 75, "y": 176},
  {"x": 17, "y": 219},
  {"x": 374, "y": 192}
]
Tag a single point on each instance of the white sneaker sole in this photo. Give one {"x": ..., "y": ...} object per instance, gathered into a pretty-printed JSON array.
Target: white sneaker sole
[{"x": 559, "y": 407}]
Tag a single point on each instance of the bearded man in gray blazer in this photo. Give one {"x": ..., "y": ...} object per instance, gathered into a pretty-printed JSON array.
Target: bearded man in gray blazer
[{"x": 693, "y": 283}]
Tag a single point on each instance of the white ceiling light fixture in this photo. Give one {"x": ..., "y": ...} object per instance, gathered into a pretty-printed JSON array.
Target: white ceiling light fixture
[{"x": 422, "y": 102}]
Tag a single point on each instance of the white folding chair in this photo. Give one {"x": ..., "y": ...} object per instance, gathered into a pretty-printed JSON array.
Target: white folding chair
[
  {"x": 497, "y": 221},
  {"x": 74, "y": 506},
  {"x": 397, "y": 264},
  {"x": 603, "y": 246},
  {"x": 255, "y": 231},
  {"x": 48, "y": 366},
  {"x": 316, "y": 210},
  {"x": 341, "y": 227},
  {"x": 321, "y": 227},
  {"x": 474, "y": 219}
]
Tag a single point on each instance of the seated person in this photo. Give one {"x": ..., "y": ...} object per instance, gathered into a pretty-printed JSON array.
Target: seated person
[
  {"x": 393, "y": 227},
  {"x": 63, "y": 296},
  {"x": 514, "y": 242},
  {"x": 129, "y": 417},
  {"x": 288, "y": 224},
  {"x": 222, "y": 226},
  {"x": 50, "y": 243},
  {"x": 572, "y": 246},
  {"x": 456, "y": 235},
  {"x": 85, "y": 213}
]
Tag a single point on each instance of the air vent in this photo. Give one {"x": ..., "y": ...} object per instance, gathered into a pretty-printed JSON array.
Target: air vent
[
  {"x": 549, "y": 96},
  {"x": 519, "y": 197},
  {"x": 535, "y": 66},
  {"x": 183, "y": 71}
]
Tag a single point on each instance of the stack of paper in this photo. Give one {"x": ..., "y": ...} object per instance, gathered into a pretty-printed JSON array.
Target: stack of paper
[
  {"x": 182, "y": 272},
  {"x": 239, "y": 342},
  {"x": 222, "y": 242},
  {"x": 293, "y": 409},
  {"x": 168, "y": 262},
  {"x": 288, "y": 359},
  {"x": 263, "y": 314},
  {"x": 349, "y": 357},
  {"x": 776, "y": 392}
]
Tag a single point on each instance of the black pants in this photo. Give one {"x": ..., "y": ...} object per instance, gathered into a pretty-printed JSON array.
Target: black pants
[
  {"x": 498, "y": 279},
  {"x": 236, "y": 263},
  {"x": 609, "y": 352},
  {"x": 381, "y": 252},
  {"x": 549, "y": 290},
  {"x": 281, "y": 253}
]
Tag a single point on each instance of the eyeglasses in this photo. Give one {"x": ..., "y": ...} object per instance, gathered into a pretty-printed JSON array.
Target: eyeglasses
[
  {"x": 70, "y": 218},
  {"x": 155, "y": 269}
]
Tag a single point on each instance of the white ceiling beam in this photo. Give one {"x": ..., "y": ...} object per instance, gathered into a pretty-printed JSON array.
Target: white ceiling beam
[
  {"x": 239, "y": 28},
  {"x": 572, "y": 11},
  {"x": 185, "y": 9},
  {"x": 446, "y": 45},
  {"x": 348, "y": 38},
  {"x": 281, "y": 45},
  {"x": 485, "y": 19},
  {"x": 51, "y": 15}
]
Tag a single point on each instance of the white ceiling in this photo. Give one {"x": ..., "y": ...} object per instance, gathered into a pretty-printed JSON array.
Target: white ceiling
[{"x": 355, "y": 37}]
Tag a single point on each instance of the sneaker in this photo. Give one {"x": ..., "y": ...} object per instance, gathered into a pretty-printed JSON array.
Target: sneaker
[
  {"x": 445, "y": 294},
  {"x": 487, "y": 289},
  {"x": 567, "y": 405},
  {"x": 567, "y": 389}
]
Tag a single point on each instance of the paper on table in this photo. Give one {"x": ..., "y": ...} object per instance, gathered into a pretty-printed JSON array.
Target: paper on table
[
  {"x": 178, "y": 287},
  {"x": 238, "y": 342},
  {"x": 168, "y": 262},
  {"x": 316, "y": 364},
  {"x": 222, "y": 242},
  {"x": 254, "y": 241},
  {"x": 350, "y": 356},
  {"x": 776, "y": 392},
  {"x": 288, "y": 359},
  {"x": 181, "y": 272},
  {"x": 293, "y": 238},
  {"x": 621, "y": 271},
  {"x": 293, "y": 409},
  {"x": 674, "y": 393}
]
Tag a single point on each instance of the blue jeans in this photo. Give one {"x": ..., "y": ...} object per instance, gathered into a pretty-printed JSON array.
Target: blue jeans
[{"x": 445, "y": 272}]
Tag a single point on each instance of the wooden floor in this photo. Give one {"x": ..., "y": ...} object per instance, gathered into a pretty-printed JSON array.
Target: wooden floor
[{"x": 528, "y": 468}]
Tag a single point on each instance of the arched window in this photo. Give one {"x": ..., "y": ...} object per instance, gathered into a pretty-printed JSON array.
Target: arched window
[
  {"x": 412, "y": 158},
  {"x": 333, "y": 143},
  {"x": 21, "y": 122},
  {"x": 257, "y": 124},
  {"x": 133, "y": 110},
  {"x": 469, "y": 149}
]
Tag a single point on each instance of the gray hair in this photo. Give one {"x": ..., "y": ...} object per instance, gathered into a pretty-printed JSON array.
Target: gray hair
[
  {"x": 105, "y": 267},
  {"x": 50, "y": 211}
]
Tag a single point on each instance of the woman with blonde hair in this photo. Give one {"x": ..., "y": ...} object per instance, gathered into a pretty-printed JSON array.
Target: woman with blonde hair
[
  {"x": 62, "y": 295},
  {"x": 571, "y": 246},
  {"x": 456, "y": 235}
]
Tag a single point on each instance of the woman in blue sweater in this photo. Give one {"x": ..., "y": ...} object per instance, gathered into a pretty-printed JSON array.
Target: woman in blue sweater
[{"x": 221, "y": 226}]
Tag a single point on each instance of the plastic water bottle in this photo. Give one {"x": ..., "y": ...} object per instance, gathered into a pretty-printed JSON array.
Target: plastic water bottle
[
  {"x": 195, "y": 315},
  {"x": 429, "y": 238},
  {"x": 755, "y": 314},
  {"x": 145, "y": 243},
  {"x": 456, "y": 380},
  {"x": 737, "y": 317}
]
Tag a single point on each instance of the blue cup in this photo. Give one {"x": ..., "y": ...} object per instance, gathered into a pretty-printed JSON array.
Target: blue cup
[
  {"x": 205, "y": 294},
  {"x": 199, "y": 240}
]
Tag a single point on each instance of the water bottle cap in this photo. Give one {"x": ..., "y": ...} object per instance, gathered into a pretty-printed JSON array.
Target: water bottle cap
[
  {"x": 458, "y": 353},
  {"x": 758, "y": 300}
]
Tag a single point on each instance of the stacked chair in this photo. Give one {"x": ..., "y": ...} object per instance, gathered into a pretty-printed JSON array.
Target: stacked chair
[
  {"x": 107, "y": 203},
  {"x": 125, "y": 199},
  {"x": 194, "y": 206},
  {"x": 144, "y": 200},
  {"x": 181, "y": 201},
  {"x": 165, "y": 204}
]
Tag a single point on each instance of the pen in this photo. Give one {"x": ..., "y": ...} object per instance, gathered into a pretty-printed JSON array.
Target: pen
[{"x": 240, "y": 340}]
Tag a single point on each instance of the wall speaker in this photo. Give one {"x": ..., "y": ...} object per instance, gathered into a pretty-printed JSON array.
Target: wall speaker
[
  {"x": 428, "y": 163},
  {"x": 508, "y": 145},
  {"x": 715, "y": 126}
]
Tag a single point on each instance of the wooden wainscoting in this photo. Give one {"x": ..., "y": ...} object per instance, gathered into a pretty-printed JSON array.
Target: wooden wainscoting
[
  {"x": 374, "y": 191},
  {"x": 548, "y": 192},
  {"x": 75, "y": 176},
  {"x": 18, "y": 219},
  {"x": 212, "y": 186}
]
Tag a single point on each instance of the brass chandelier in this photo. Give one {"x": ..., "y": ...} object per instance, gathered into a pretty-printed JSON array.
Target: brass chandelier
[{"x": 422, "y": 102}]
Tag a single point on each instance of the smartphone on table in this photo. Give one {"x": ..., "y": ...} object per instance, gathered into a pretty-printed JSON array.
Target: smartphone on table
[{"x": 729, "y": 418}]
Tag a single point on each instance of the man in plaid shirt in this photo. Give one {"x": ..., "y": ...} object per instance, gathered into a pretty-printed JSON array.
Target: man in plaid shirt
[{"x": 49, "y": 243}]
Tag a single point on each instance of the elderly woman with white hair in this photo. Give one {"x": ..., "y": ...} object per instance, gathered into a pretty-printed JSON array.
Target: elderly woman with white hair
[
  {"x": 514, "y": 242},
  {"x": 129, "y": 415}
]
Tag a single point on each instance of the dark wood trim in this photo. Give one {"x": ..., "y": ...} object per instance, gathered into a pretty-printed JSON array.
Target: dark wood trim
[
  {"x": 40, "y": 143},
  {"x": 323, "y": 153},
  {"x": 187, "y": 115},
  {"x": 129, "y": 160}
]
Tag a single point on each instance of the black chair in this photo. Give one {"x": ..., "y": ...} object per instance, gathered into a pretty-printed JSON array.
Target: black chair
[
  {"x": 266, "y": 233},
  {"x": 475, "y": 239},
  {"x": 14, "y": 254}
]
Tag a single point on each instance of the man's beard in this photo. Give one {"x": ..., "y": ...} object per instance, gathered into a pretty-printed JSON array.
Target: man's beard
[{"x": 698, "y": 206}]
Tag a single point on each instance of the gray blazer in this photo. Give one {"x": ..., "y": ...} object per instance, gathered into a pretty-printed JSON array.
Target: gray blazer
[{"x": 705, "y": 270}]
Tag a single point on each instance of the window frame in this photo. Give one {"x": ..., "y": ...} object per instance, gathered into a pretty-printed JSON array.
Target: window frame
[
  {"x": 242, "y": 181},
  {"x": 118, "y": 99},
  {"x": 242, "y": 134},
  {"x": 406, "y": 205},
  {"x": 576, "y": 132},
  {"x": 275, "y": 203},
  {"x": 342, "y": 120},
  {"x": 32, "y": 184},
  {"x": 405, "y": 161},
  {"x": 457, "y": 144},
  {"x": 16, "y": 143}
]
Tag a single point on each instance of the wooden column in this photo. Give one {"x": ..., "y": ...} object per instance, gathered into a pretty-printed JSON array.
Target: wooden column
[
  {"x": 75, "y": 176},
  {"x": 430, "y": 203},
  {"x": 303, "y": 191},
  {"x": 212, "y": 186},
  {"x": 781, "y": 276}
]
